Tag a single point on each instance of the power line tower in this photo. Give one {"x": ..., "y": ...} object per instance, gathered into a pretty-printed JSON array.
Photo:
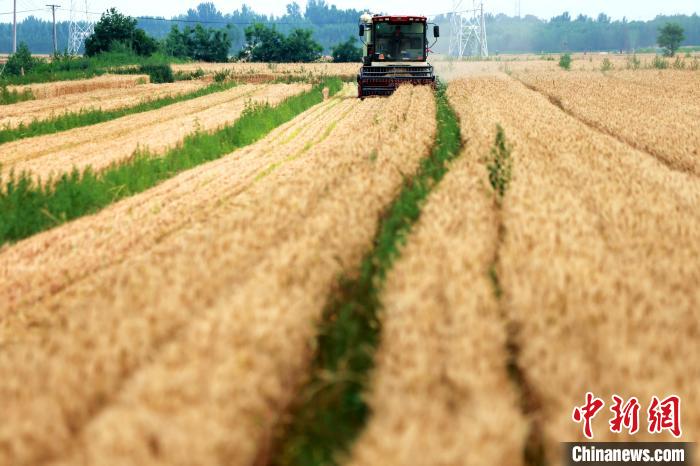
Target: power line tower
[
  {"x": 468, "y": 34},
  {"x": 81, "y": 27}
]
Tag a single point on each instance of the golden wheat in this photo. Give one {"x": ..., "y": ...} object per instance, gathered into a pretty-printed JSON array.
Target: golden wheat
[
  {"x": 188, "y": 351},
  {"x": 14, "y": 115},
  {"x": 34, "y": 269},
  {"x": 681, "y": 84},
  {"x": 440, "y": 393},
  {"x": 661, "y": 124},
  {"x": 101, "y": 145},
  {"x": 61, "y": 88},
  {"x": 599, "y": 263},
  {"x": 274, "y": 70}
]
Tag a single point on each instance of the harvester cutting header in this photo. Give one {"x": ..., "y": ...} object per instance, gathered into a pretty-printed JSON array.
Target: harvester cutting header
[{"x": 395, "y": 52}]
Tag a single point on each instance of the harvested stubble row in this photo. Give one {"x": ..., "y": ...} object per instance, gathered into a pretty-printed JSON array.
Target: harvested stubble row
[
  {"x": 100, "y": 146},
  {"x": 62, "y": 88},
  {"x": 279, "y": 70},
  {"x": 51, "y": 261},
  {"x": 187, "y": 351},
  {"x": 660, "y": 124},
  {"x": 599, "y": 265},
  {"x": 11, "y": 116},
  {"x": 440, "y": 392}
]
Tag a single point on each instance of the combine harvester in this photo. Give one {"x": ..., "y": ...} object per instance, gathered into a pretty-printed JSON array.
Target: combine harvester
[{"x": 395, "y": 52}]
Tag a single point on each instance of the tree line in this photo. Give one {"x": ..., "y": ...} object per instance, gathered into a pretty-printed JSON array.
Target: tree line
[
  {"x": 330, "y": 25},
  {"x": 119, "y": 36}
]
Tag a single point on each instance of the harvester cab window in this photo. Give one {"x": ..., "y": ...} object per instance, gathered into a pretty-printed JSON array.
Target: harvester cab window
[{"x": 400, "y": 42}]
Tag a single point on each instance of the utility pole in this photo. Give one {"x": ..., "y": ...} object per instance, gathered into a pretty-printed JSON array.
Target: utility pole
[
  {"x": 55, "y": 36},
  {"x": 483, "y": 52},
  {"x": 14, "y": 28}
]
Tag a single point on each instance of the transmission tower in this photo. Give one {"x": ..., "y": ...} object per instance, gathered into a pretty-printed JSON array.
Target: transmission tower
[
  {"x": 81, "y": 27},
  {"x": 468, "y": 34}
]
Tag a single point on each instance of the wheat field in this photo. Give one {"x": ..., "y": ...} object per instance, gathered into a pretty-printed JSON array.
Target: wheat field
[
  {"x": 101, "y": 145},
  {"x": 288, "y": 246},
  {"x": 557, "y": 253},
  {"x": 12, "y": 116},
  {"x": 64, "y": 88},
  {"x": 662, "y": 123}
]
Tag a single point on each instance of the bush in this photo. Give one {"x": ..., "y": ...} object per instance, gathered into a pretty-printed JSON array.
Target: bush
[
  {"x": 115, "y": 28},
  {"x": 12, "y": 97},
  {"x": 21, "y": 62},
  {"x": 222, "y": 76},
  {"x": 159, "y": 74},
  {"x": 565, "y": 61},
  {"x": 191, "y": 76},
  {"x": 347, "y": 52},
  {"x": 607, "y": 65},
  {"x": 633, "y": 62},
  {"x": 679, "y": 64},
  {"x": 659, "y": 63}
]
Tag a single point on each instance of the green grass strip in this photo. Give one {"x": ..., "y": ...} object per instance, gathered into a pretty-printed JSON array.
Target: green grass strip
[
  {"x": 332, "y": 411},
  {"x": 28, "y": 207},
  {"x": 8, "y": 97},
  {"x": 70, "y": 121}
]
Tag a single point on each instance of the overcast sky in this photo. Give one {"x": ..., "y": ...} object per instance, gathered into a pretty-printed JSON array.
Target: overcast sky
[{"x": 632, "y": 9}]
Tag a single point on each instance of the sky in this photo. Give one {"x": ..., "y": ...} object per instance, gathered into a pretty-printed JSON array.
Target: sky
[{"x": 617, "y": 9}]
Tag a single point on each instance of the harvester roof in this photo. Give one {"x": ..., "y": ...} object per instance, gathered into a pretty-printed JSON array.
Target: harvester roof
[{"x": 399, "y": 19}]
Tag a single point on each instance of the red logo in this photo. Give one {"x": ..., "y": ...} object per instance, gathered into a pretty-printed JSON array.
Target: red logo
[
  {"x": 587, "y": 412},
  {"x": 665, "y": 415},
  {"x": 625, "y": 415},
  {"x": 662, "y": 415}
]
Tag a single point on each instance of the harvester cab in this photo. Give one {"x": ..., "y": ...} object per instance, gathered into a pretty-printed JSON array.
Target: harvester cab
[{"x": 395, "y": 52}]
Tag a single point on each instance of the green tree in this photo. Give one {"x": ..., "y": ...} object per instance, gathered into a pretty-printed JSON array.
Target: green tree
[
  {"x": 267, "y": 44},
  {"x": 347, "y": 52},
  {"x": 21, "y": 62},
  {"x": 670, "y": 38},
  {"x": 211, "y": 45},
  {"x": 114, "y": 27},
  {"x": 263, "y": 44},
  {"x": 300, "y": 47}
]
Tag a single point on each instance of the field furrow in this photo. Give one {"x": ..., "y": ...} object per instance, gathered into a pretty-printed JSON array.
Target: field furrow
[
  {"x": 658, "y": 123},
  {"x": 440, "y": 393},
  {"x": 102, "y": 145},
  {"x": 598, "y": 264},
  {"x": 64, "y": 88},
  {"x": 187, "y": 351},
  {"x": 23, "y": 113}
]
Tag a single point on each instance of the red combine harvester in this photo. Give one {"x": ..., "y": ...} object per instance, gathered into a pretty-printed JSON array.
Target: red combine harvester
[{"x": 395, "y": 52}]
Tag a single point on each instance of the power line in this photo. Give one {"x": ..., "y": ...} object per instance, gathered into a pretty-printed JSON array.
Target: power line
[
  {"x": 241, "y": 23},
  {"x": 4, "y": 13}
]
